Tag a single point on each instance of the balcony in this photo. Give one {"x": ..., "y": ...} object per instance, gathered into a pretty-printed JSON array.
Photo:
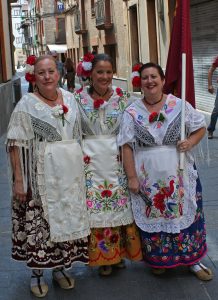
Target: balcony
[
  {"x": 103, "y": 15},
  {"x": 79, "y": 23}
]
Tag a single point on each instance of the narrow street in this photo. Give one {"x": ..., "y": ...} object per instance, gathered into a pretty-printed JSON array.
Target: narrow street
[{"x": 135, "y": 282}]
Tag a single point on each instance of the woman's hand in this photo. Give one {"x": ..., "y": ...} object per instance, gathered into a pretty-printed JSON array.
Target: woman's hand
[
  {"x": 18, "y": 191},
  {"x": 184, "y": 145},
  {"x": 133, "y": 184}
]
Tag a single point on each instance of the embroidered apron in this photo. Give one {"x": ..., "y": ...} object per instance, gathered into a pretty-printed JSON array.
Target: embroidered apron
[
  {"x": 165, "y": 202},
  {"x": 107, "y": 195},
  {"x": 65, "y": 191}
]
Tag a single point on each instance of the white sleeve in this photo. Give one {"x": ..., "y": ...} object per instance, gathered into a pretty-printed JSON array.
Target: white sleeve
[
  {"x": 126, "y": 132},
  {"x": 20, "y": 127},
  {"x": 194, "y": 120}
]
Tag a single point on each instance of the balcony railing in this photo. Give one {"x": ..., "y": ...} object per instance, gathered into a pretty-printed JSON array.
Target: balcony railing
[
  {"x": 79, "y": 23},
  {"x": 103, "y": 14}
]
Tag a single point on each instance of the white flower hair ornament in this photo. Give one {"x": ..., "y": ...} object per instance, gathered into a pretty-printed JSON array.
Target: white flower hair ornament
[
  {"x": 135, "y": 76},
  {"x": 87, "y": 64}
]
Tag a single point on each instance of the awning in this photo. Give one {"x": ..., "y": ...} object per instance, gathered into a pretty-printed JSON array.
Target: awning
[{"x": 57, "y": 48}]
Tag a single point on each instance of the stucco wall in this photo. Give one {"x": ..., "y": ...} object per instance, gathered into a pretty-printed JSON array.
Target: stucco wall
[{"x": 7, "y": 101}]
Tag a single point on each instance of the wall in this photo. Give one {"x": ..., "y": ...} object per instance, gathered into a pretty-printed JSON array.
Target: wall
[
  {"x": 49, "y": 22},
  {"x": 11, "y": 86}
]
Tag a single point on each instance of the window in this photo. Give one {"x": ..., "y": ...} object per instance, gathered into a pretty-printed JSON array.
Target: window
[
  {"x": 95, "y": 49},
  {"x": 17, "y": 25},
  {"x": 111, "y": 51},
  {"x": 18, "y": 40},
  {"x": 92, "y": 8},
  {"x": 24, "y": 13},
  {"x": 16, "y": 12}
]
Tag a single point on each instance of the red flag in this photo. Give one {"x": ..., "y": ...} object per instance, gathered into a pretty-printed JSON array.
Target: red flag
[{"x": 180, "y": 42}]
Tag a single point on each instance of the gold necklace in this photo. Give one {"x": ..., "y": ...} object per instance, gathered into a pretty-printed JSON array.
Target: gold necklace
[{"x": 152, "y": 104}]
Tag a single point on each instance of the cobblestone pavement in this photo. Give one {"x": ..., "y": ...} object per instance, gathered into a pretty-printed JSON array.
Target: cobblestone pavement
[{"x": 133, "y": 283}]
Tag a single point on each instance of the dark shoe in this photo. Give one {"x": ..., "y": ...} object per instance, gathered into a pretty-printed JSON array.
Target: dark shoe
[{"x": 210, "y": 135}]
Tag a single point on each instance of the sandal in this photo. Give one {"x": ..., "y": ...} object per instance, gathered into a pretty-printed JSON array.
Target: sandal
[
  {"x": 38, "y": 286},
  {"x": 105, "y": 270},
  {"x": 120, "y": 265},
  {"x": 158, "y": 271},
  {"x": 64, "y": 280},
  {"x": 201, "y": 271}
]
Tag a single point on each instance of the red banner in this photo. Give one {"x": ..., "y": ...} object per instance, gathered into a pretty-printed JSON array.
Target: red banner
[{"x": 180, "y": 42}]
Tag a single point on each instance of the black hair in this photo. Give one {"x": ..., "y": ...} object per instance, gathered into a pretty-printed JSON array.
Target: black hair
[
  {"x": 100, "y": 57},
  {"x": 152, "y": 65},
  {"x": 97, "y": 58}
]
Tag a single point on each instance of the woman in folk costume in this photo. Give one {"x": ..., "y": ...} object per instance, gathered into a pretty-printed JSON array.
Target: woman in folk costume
[
  {"x": 113, "y": 234},
  {"x": 167, "y": 204},
  {"x": 49, "y": 214}
]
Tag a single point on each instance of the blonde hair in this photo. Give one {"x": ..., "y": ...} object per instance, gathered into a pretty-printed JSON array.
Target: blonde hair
[{"x": 42, "y": 57}]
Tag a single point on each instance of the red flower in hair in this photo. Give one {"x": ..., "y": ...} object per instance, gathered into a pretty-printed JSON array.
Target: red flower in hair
[
  {"x": 85, "y": 73},
  {"x": 106, "y": 194},
  {"x": 88, "y": 57},
  {"x": 98, "y": 103},
  {"x": 136, "y": 68},
  {"x": 136, "y": 81},
  {"x": 31, "y": 60},
  {"x": 30, "y": 77},
  {"x": 119, "y": 91}
]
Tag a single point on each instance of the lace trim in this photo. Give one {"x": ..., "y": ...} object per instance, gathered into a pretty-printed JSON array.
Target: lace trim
[
  {"x": 173, "y": 131},
  {"x": 179, "y": 224},
  {"x": 115, "y": 223},
  {"x": 45, "y": 130},
  {"x": 143, "y": 136}
]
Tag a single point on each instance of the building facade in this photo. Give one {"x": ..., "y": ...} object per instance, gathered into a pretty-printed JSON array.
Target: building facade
[
  {"x": 44, "y": 28},
  {"x": 139, "y": 30},
  {"x": 129, "y": 31},
  {"x": 9, "y": 85},
  {"x": 19, "y": 11}
]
